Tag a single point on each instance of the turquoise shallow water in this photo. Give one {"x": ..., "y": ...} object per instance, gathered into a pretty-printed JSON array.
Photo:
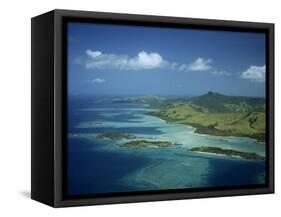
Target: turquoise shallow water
[{"x": 121, "y": 169}]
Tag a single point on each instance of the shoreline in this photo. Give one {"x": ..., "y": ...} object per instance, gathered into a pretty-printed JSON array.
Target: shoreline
[
  {"x": 227, "y": 152},
  {"x": 217, "y": 154},
  {"x": 204, "y": 130}
]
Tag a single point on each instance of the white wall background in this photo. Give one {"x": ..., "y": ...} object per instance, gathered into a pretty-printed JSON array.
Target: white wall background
[{"x": 15, "y": 106}]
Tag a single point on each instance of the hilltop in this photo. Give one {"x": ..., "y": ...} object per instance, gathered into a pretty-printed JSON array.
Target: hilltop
[
  {"x": 218, "y": 114},
  {"x": 216, "y": 102}
]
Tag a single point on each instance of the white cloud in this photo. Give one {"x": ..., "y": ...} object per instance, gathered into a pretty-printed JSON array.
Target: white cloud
[
  {"x": 98, "y": 80},
  {"x": 219, "y": 72},
  {"x": 254, "y": 73},
  {"x": 93, "y": 54},
  {"x": 146, "y": 61},
  {"x": 143, "y": 60},
  {"x": 200, "y": 64}
]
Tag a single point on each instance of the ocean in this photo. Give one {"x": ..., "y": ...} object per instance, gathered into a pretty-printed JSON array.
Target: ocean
[{"x": 97, "y": 166}]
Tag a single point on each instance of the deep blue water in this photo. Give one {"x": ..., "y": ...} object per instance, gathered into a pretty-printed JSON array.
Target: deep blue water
[
  {"x": 96, "y": 166},
  {"x": 98, "y": 171}
]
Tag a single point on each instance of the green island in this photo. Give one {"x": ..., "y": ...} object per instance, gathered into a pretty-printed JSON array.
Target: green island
[
  {"x": 146, "y": 144},
  {"x": 115, "y": 136},
  {"x": 213, "y": 113},
  {"x": 228, "y": 152}
]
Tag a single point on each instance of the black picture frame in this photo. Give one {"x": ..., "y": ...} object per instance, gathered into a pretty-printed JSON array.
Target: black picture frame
[{"x": 49, "y": 104}]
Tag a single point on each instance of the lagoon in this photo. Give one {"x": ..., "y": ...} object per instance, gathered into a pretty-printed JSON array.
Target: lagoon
[{"x": 98, "y": 165}]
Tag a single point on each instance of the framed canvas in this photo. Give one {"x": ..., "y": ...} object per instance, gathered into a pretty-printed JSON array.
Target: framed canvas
[{"x": 134, "y": 108}]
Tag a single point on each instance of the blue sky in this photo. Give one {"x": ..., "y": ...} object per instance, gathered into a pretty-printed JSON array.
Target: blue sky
[{"x": 108, "y": 59}]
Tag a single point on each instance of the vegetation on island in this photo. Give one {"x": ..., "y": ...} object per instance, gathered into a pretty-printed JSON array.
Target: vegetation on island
[
  {"x": 115, "y": 136},
  {"x": 154, "y": 102},
  {"x": 228, "y": 152},
  {"x": 146, "y": 144},
  {"x": 215, "y": 114}
]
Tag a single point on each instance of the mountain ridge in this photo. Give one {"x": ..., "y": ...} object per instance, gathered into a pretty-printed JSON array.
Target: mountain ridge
[
  {"x": 209, "y": 102},
  {"x": 218, "y": 114},
  {"x": 217, "y": 102}
]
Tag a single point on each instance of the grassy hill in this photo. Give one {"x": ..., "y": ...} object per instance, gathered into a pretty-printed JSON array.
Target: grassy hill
[
  {"x": 216, "y": 102},
  {"x": 218, "y": 114}
]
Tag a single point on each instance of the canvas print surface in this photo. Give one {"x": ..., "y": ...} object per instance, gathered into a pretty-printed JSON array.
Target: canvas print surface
[{"x": 152, "y": 108}]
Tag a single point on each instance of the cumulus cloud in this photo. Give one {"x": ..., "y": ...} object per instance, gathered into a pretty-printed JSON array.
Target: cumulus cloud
[
  {"x": 254, "y": 73},
  {"x": 95, "y": 59},
  {"x": 200, "y": 64},
  {"x": 143, "y": 60},
  {"x": 220, "y": 72},
  {"x": 93, "y": 54},
  {"x": 98, "y": 80}
]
